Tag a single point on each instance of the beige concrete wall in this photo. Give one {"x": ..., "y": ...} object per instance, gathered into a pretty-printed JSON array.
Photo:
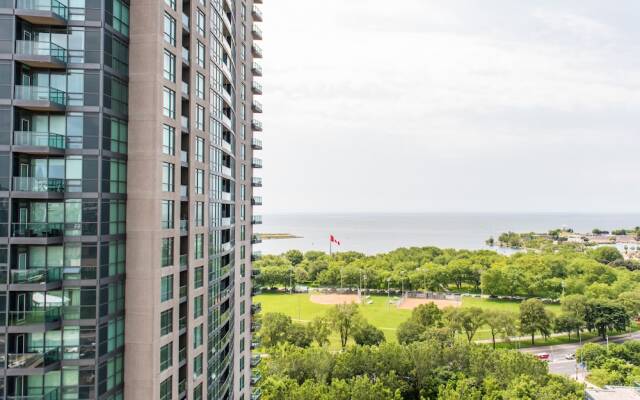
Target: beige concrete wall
[{"x": 143, "y": 201}]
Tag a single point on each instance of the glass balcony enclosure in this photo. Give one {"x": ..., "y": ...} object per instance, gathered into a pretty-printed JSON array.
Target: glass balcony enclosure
[
  {"x": 48, "y": 174},
  {"x": 41, "y": 93},
  {"x": 54, "y": 130},
  {"x": 71, "y": 217},
  {"x": 54, "y": 6},
  {"x": 41, "y": 48}
]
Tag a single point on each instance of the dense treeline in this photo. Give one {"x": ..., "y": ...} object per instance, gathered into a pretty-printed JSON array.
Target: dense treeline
[
  {"x": 427, "y": 369},
  {"x": 596, "y": 273},
  {"x": 616, "y": 364}
]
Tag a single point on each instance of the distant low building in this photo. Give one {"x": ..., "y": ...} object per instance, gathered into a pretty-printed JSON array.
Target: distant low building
[{"x": 613, "y": 393}]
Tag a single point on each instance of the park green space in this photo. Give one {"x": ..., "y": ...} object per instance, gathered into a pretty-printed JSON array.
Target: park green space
[{"x": 380, "y": 313}]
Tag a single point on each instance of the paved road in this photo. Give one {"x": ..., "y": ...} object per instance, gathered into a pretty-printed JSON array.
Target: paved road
[{"x": 559, "y": 363}]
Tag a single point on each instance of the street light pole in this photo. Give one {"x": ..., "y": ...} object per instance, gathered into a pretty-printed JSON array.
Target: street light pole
[
  {"x": 290, "y": 281},
  {"x": 388, "y": 292}
]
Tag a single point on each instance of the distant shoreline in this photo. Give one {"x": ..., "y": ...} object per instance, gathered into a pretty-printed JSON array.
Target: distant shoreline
[{"x": 277, "y": 236}]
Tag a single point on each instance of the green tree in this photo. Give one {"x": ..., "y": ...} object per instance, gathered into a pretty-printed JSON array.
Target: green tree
[
  {"x": 320, "y": 328},
  {"x": 606, "y": 254},
  {"x": 605, "y": 316},
  {"x": 299, "y": 335},
  {"x": 631, "y": 302},
  {"x": 343, "y": 318},
  {"x": 366, "y": 334},
  {"x": 427, "y": 315},
  {"x": 500, "y": 323},
  {"x": 575, "y": 305},
  {"x": 534, "y": 318},
  {"x": 567, "y": 323},
  {"x": 275, "y": 329},
  {"x": 465, "y": 320},
  {"x": 295, "y": 257},
  {"x": 461, "y": 389},
  {"x": 409, "y": 331}
]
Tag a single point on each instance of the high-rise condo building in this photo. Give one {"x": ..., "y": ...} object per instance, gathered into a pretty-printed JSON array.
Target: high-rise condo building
[{"x": 126, "y": 198}]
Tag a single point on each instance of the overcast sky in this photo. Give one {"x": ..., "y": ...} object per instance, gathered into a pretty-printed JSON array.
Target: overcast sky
[{"x": 456, "y": 105}]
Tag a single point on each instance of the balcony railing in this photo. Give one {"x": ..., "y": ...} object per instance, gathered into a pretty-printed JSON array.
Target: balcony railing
[
  {"x": 256, "y": 163},
  {"x": 38, "y": 185},
  {"x": 256, "y": 394},
  {"x": 256, "y": 144},
  {"x": 185, "y": 55},
  {"x": 226, "y": 196},
  {"x": 184, "y": 260},
  {"x": 256, "y": 50},
  {"x": 184, "y": 226},
  {"x": 227, "y": 121},
  {"x": 34, "y": 275},
  {"x": 33, "y": 317},
  {"x": 255, "y": 360},
  {"x": 184, "y": 121},
  {"x": 37, "y": 229},
  {"x": 256, "y": 87},
  {"x": 257, "y": 14},
  {"x": 48, "y": 393},
  {"x": 185, "y": 22},
  {"x": 33, "y": 360},
  {"x": 184, "y": 157},
  {"x": 256, "y": 239},
  {"x": 256, "y": 125},
  {"x": 53, "y": 6},
  {"x": 41, "y": 93},
  {"x": 256, "y": 106},
  {"x": 256, "y": 69},
  {"x": 53, "y": 229},
  {"x": 182, "y": 323},
  {"x": 185, "y": 88},
  {"x": 256, "y": 219},
  {"x": 39, "y": 139},
  {"x": 184, "y": 191},
  {"x": 255, "y": 378},
  {"x": 256, "y": 181},
  {"x": 227, "y": 171},
  {"x": 40, "y": 48},
  {"x": 256, "y": 255},
  {"x": 256, "y": 200},
  {"x": 257, "y": 32},
  {"x": 183, "y": 291},
  {"x": 227, "y": 96},
  {"x": 227, "y": 146}
]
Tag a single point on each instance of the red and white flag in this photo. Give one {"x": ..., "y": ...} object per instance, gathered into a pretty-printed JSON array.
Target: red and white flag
[{"x": 332, "y": 239}]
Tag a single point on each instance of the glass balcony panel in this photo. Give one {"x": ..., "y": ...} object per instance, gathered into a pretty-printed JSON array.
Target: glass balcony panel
[
  {"x": 35, "y": 275},
  {"x": 53, "y": 6},
  {"x": 33, "y": 317},
  {"x": 37, "y": 229},
  {"x": 36, "y": 359},
  {"x": 35, "y": 393},
  {"x": 39, "y": 185},
  {"x": 37, "y": 48},
  {"x": 40, "y": 93},
  {"x": 40, "y": 139}
]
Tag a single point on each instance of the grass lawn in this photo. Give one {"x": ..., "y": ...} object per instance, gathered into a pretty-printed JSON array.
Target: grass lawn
[{"x": 380, "y": 313}]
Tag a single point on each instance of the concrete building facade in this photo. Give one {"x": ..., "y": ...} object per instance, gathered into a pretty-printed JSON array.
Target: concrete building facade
[{"x": 126, "y": 198}]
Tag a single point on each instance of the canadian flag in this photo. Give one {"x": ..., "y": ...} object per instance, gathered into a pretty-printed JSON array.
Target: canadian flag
[{"x": 332, "y": 239}]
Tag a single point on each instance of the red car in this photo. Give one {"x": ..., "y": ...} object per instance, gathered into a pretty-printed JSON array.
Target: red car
[{"x": 543, "y": 356}]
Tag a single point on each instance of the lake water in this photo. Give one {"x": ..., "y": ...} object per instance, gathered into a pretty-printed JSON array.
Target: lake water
[{"x": 377, "y": 233}]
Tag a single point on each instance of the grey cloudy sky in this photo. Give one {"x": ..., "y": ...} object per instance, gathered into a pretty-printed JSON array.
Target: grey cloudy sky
[{"x": 451, "y": 105}]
